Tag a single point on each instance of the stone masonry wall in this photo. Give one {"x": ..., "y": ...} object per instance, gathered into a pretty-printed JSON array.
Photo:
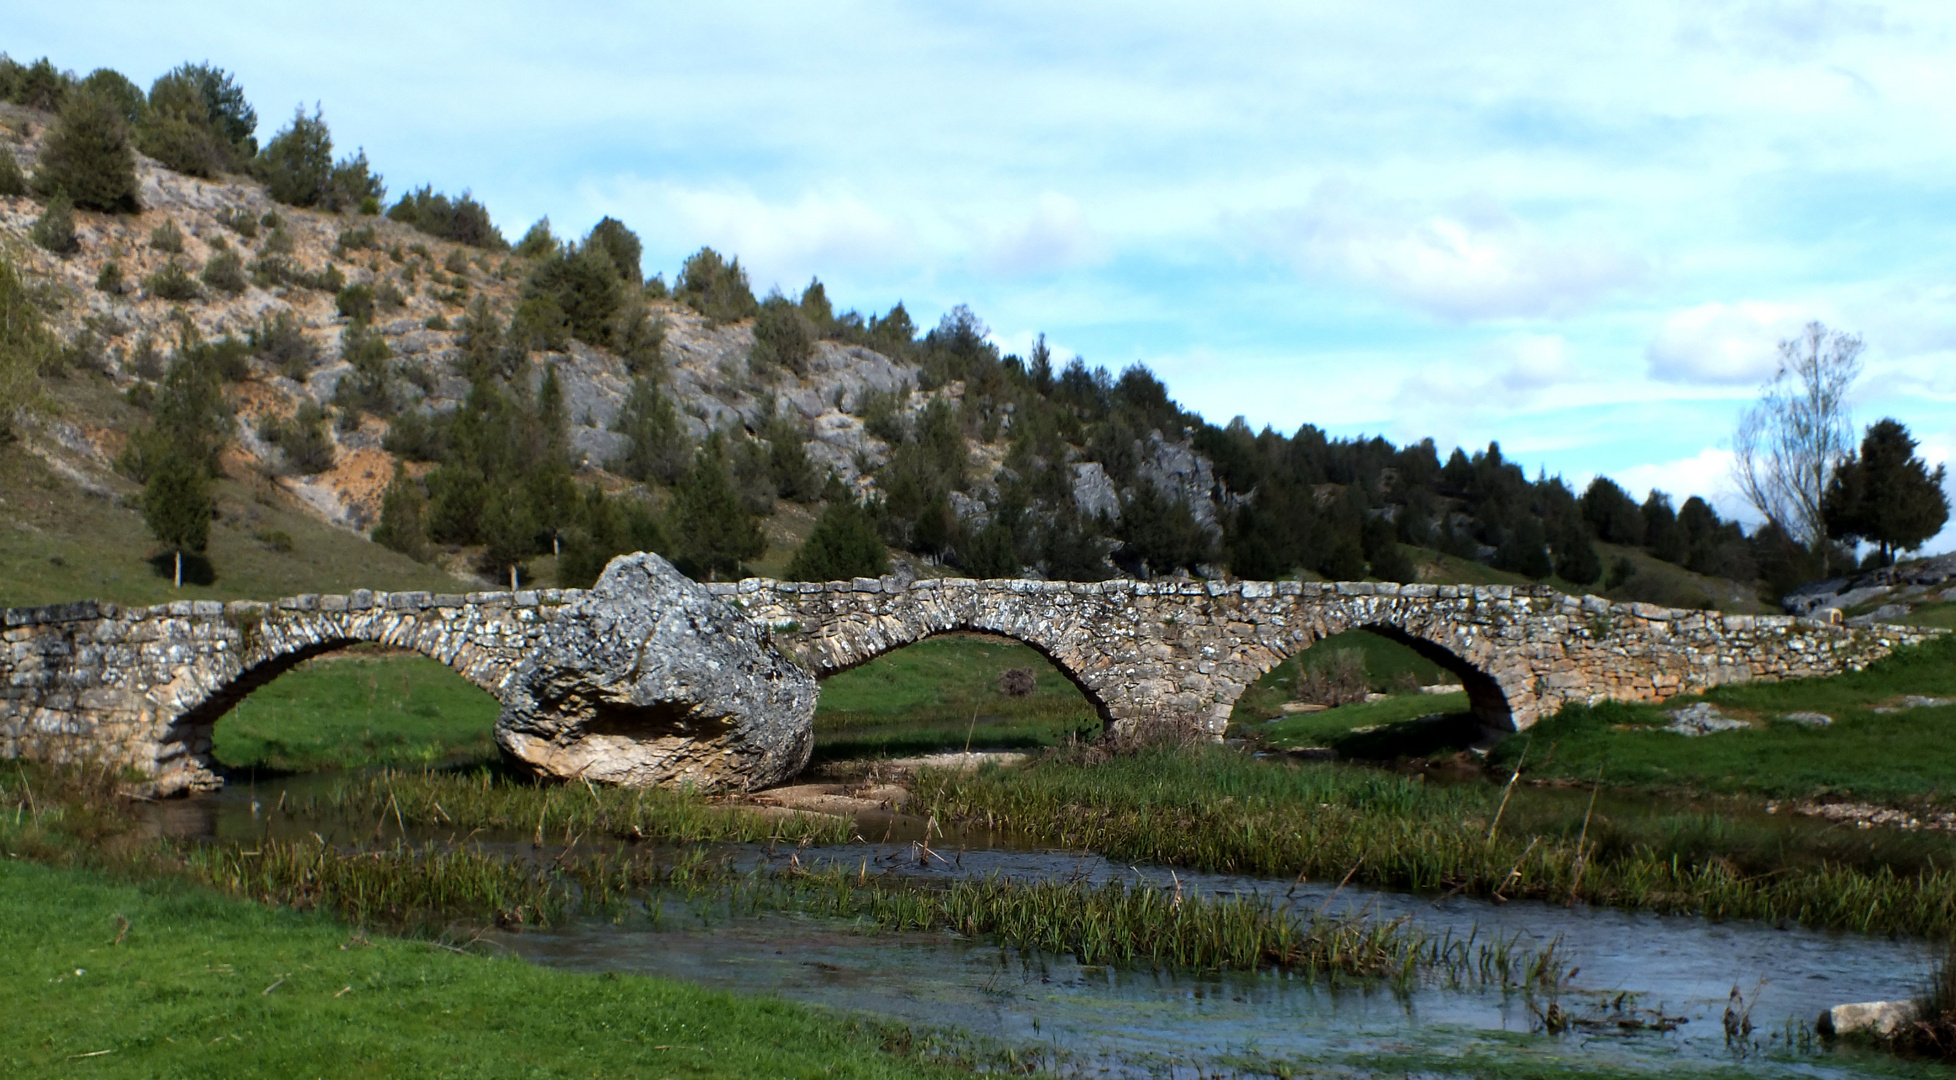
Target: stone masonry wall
[
  {"x": 143, "y": 687},
  {"x": 1186, "y": 650}
]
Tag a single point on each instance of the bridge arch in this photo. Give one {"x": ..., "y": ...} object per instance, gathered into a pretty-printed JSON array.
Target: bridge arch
[
  {"x": 1486, "y": 697},
  {"x": 1058, "y": 662},
  {"x": 204, "y": 692}
]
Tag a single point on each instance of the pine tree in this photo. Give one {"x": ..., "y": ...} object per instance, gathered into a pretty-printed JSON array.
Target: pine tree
[
  {"x": 992, "y": 552},
  {"x": 297, "y": 165},
  {"x": 657, "y": 449},
  {"x": 403, "y": 516},
  {"x": 13, "y": 183},
  {"x": 177, "y": 507},
  {"x": 55, "y": 228},
  {"x": 26, "y": 346},
  {"x": 607, "y": 527},
  {"x": 190, "y": 418},
  {"x": 712, "y": 532},
  {"x": 843, "y": 545},
  {"x": 88, "y": 156},
  {"x": 1886, "y": 495}
]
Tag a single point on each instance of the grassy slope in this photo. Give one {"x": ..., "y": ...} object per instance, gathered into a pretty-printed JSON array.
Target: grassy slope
[
  {"x": 350, "y": 710},
  {"x": 1901, "y": 757},
  {"x": 925, "y": 697},
  {"x": 208, "y": 987},
  {"x": 1673, "y": 585},
  {"x": 61, "y": 544}
]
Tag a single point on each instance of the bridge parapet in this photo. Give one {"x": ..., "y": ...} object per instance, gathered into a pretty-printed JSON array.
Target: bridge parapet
[{"x": 143, "y": 686}]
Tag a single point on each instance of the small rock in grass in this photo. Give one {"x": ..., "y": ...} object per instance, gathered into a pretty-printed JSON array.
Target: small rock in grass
[
  {"x": 1915, "y": 701},
  {"x": 1810, "y": 719},
  {"x": 1701, "y": 719},
  {"x": 1875, "y": 1017}
]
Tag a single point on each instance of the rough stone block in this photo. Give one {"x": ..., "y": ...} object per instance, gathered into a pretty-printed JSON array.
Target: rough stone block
[{"x": 650, "y": 679}]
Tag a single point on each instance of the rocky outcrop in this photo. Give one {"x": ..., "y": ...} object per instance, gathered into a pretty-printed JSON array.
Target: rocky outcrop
[
  {"x": 1901, "y": 587},
  {"x": 649, "y": 679}
]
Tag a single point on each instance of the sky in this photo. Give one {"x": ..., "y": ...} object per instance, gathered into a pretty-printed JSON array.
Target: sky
[{"x": 1576, "y": 229}]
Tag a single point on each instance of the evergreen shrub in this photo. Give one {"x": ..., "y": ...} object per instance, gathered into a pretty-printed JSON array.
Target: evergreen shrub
[
  {"x": 87, "y": 155},
  {"x": 13, "y": 182},
  {"x": 172, "y": 281},
  {"x": 225, "y": 272},
  {"x": 55, "y": 228}
]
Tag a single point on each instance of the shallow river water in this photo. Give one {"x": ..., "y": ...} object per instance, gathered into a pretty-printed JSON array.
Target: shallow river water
[{"x": 1100, "y": 1020}]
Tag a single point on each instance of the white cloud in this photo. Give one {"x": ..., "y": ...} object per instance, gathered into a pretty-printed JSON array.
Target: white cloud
[
  {"x": 1723, "y": 343},
  {"x": 1054, "y": 236},
  {"x": 1472, "y": 260},
  {"x": 780, "y": 241},
  {"x": 1708, "y": 473},
  {"x": 1534, "y": 361}
]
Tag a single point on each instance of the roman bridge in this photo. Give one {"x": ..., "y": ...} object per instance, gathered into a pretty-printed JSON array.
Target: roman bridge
[{"x": 143, "y": 686}]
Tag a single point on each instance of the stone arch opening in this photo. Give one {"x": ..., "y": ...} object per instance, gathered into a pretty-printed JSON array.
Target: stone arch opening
[
  {"x": 949, "y": 689},
  {"x": 341, "y": 701},
  {"x": 1485, "y": 697},
  {"x": 1407, "y": 721}
]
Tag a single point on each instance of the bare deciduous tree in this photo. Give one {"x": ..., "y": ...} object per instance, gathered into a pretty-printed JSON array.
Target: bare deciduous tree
[{"x": 1791, "y": 440}]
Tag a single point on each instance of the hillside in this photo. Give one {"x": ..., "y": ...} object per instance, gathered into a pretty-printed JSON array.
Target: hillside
[{"x": 527, "y": 410}]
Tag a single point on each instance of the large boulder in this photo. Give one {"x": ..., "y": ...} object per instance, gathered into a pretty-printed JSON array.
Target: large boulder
[{"x": 649, "y": 679}]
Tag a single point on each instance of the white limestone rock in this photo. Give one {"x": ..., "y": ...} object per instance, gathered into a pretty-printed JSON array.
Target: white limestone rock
[
  {"x": 1874, "y": 1017},
  {"x": 648, "y": 679}
]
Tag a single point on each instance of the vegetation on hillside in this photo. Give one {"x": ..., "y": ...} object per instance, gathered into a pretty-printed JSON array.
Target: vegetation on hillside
[{"x": 987, "y": 464}]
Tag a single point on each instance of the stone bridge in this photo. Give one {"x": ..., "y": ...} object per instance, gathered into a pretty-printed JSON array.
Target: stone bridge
[
  {"x": 1187, "y": 650},
  {"x": 143, "y": 687}
]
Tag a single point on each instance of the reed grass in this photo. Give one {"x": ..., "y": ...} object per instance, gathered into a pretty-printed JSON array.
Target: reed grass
[
  {"x": 435, "y": 888},
  {"x": 1216, "y": 809},
  {"x": 489, "y": 799},
  {"x": 426, "y": 887}
]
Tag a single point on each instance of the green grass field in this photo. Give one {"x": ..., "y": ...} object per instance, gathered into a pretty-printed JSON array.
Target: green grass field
[
  {"x": 356, "y": 709},
  {"x": 59, "y": 545},
  {"x": 1905, "y": 757},
  {"x": 1403, "y": 725},
  {"x": 943, "y": 693},
  {"x": 113, "y": 980}
]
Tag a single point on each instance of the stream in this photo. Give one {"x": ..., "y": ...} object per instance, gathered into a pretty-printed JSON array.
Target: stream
[{"x": 1629, "y": 969}]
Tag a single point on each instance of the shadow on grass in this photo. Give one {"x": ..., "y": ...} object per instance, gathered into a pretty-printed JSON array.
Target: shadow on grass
[
  {"x": 197, "y": 570},
  {"x": 1423, "y": 736}
]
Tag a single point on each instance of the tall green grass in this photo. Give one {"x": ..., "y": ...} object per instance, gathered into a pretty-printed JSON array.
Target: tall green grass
[
  {"x": 489, "y": 799},
  {"x": 431, "y": 888},
  {"x": 1905, "y": 757},
  {"x": 1216, "y": 809}
]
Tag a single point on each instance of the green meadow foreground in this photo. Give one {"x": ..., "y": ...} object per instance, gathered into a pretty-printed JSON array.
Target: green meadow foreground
[{"x": 169, "y": 980}]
